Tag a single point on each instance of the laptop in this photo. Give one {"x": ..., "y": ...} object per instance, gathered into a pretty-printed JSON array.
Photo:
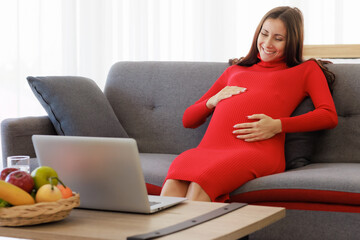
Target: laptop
[{"x": 105, "y": 171}]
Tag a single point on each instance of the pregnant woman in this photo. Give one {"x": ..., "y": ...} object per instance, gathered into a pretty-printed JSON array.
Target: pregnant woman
[{"x": 251, "y": 104}]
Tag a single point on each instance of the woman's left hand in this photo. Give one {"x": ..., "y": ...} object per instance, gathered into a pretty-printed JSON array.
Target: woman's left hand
[{"x": 263, "y": 129}]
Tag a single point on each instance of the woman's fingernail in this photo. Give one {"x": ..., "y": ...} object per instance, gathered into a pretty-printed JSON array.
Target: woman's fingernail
[{"x": 244, "y": 90}]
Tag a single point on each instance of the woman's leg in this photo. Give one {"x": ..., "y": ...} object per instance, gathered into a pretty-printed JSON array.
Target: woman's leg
[
  {"x": 196, "y": 193},
  {"x": 175, "y": 188}
]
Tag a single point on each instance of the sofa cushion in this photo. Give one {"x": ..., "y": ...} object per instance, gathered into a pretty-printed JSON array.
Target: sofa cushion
[
  {"x": 342, "y": 144},
  {"x": 159, "y": 92},
  {"x": 155, "y": 167},
  {"x": 333, "y": 183},
  {"x": 76, "y": 106},
  {"x": 300, "y": 146}
]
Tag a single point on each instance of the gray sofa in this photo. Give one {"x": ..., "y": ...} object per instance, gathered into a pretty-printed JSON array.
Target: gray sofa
[{"x": 320, "y": 188}]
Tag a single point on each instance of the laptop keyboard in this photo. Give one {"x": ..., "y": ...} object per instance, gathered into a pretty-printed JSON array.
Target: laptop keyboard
[{"x": 154, "y": 203}]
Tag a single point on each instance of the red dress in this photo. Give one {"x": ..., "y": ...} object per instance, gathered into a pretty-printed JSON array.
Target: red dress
[{"x": 221, "y": 163}]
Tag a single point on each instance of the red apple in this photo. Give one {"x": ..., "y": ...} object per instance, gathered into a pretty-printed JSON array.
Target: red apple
[
  {"x": 7, "y": 171},
  {"x": 21, "y": 179}
]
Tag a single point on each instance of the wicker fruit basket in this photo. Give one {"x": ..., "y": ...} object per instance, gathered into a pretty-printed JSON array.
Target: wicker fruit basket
[{"x": 38, "y": 213}]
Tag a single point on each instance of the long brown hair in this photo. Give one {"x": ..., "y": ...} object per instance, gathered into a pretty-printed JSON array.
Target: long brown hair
[{"x": 294, "y": 24}]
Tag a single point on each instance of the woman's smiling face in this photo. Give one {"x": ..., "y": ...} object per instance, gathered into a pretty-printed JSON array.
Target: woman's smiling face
[{"x": 271, "y": 41}]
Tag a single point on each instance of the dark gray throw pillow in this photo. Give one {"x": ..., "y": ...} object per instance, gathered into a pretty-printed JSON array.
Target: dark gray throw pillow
[
  {"x": 300, "y": 146},
  {"x": 76, "y": 106}
]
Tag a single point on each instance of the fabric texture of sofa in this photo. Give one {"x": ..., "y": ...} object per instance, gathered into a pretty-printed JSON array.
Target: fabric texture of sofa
[{"x": 146, "y": 100}]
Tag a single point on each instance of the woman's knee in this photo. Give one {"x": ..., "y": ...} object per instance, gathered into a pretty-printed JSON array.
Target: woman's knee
[
  {"x": 197, "y": 193},
  {"x": 175, "y": 188}
]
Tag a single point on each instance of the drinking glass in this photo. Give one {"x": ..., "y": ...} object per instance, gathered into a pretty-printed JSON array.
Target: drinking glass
[{"x": 20, "y": 162}]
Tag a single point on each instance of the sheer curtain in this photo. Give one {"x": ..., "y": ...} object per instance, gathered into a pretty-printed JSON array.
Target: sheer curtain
[{"x": 85, "y": 37}]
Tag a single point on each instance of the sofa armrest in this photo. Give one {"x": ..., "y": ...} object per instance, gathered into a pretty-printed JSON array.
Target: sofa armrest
[{"x": 16, "y": 135}]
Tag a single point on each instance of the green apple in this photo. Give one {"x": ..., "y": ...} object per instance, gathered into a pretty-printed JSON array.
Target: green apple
[{"x": 42, "y": 176}]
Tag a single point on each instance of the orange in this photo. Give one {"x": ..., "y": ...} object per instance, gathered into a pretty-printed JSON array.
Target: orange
[{"x": 65, "y": 191}]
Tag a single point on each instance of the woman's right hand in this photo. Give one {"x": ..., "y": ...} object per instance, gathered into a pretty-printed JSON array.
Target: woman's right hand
[{"x": 224, "y": 93}]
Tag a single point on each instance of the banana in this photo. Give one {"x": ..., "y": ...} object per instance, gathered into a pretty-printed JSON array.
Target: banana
[{"x": 14, "y": 195}]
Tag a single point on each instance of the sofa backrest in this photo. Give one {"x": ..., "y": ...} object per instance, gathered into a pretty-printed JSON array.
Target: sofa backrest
[
  {"x": 342, "y": 144},
  {"x": 149, "y": 99}
]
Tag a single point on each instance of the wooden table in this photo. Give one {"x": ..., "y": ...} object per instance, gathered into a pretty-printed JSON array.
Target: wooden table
[{"x": 89, "y": 224}]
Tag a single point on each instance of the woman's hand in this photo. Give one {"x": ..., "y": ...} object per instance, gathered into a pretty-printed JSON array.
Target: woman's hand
[
  {"x": 263, "y": 129},
  {"x": 226, "y": 92}
]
